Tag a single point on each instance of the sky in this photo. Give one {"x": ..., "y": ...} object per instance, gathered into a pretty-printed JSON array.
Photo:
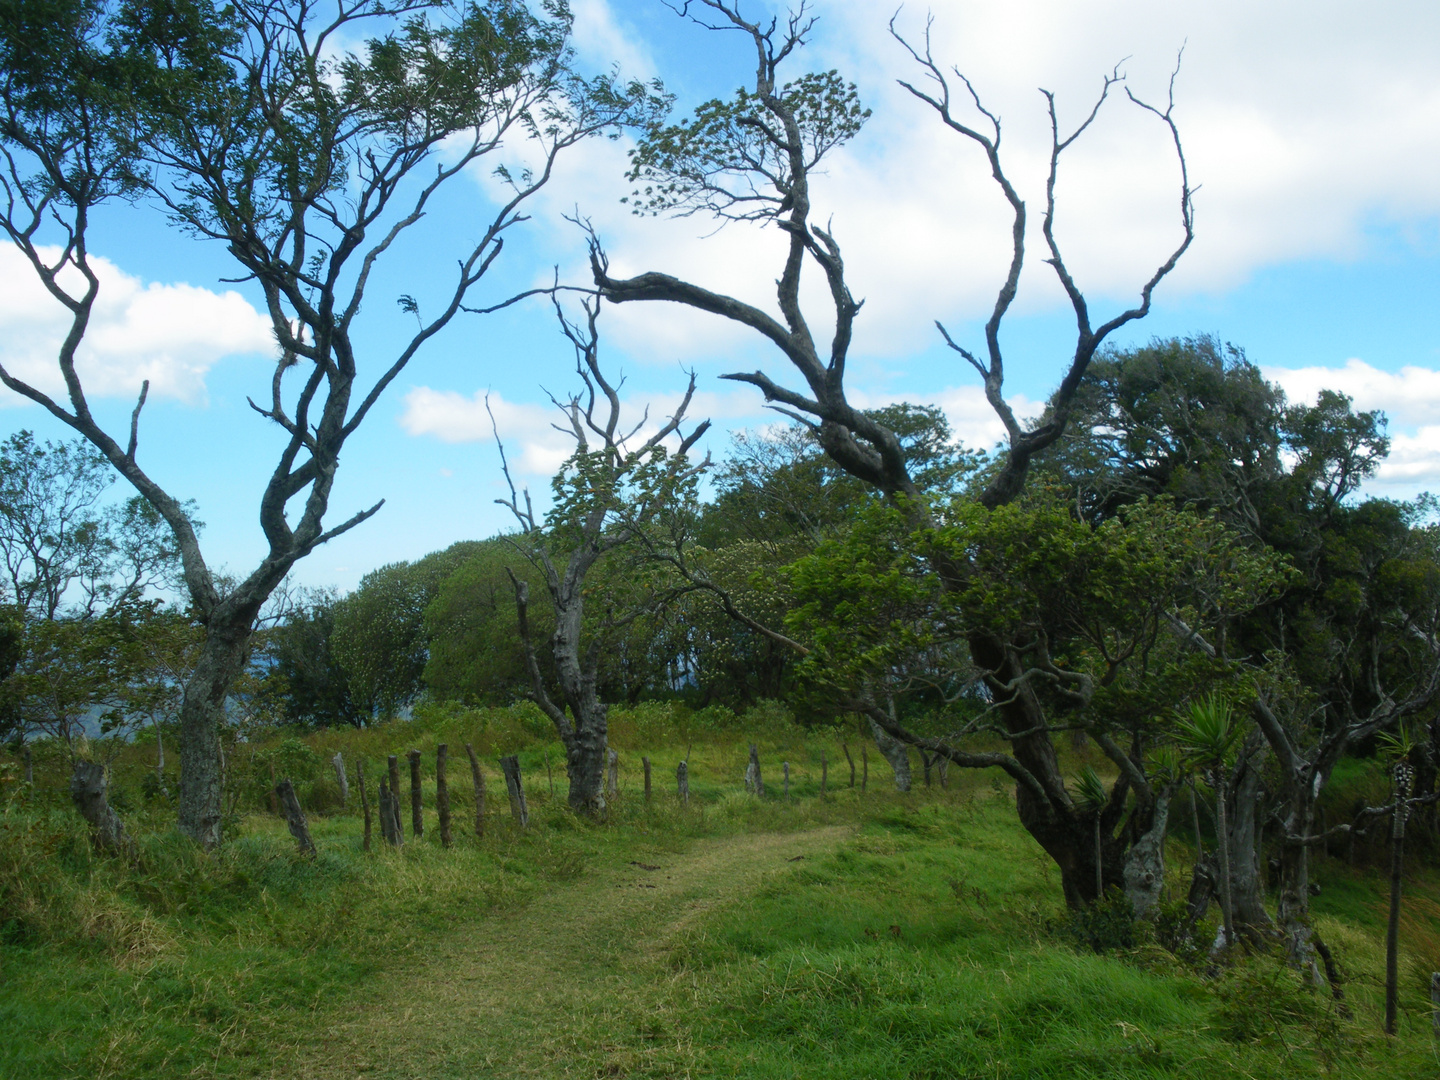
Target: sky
[{"x": 1311, "y": 129}]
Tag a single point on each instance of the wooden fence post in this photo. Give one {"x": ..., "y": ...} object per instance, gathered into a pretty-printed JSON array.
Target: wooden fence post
[
  {"x": 612, "y": 774},
  {"x": 295, "y": 817},
  {"x": 417, "y": 814},
  {"x": 393, "y": 763},
  {"x": 442, "y": 794},
  {"x": 364, "y": 799},
  {"x": 389, "y": 817},
  {"x": 29, "y": 765},
  {"x": 510, "y": 766},
  {"x": 864, "y": 766},
  {"x": 824, "y": 774},
  {"x": 645, "y": 761},
  {"x": 339, "y": 763},
  {"x": 754, "y": 782},
  {"x": 682, "y": 782},
  {"x": 479, "y": 779},
  {"x": 785, "y": 765},
  {"x": 851, "y": 760}
]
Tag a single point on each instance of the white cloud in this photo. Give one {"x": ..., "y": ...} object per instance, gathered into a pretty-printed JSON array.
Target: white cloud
[
  {"x": 1306, "y": 123},
  {"x": 600, "y": 38},
  {"x": 170, "y": 334},
  {"x": 1410, "y": 398}
]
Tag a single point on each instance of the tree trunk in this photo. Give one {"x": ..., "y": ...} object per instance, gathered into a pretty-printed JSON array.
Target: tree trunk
[
  {"x": 478, "y": 778},
  {"x": 1144, "y": 874},
  {"x": 88, "y": 786},
  {"x": 896, "y": 752},
  {"x": 1392, "y": 927},
  {"x": 202, "y": 714},
  {"x": 364, "y": 799},
  {"x": 339, "y": 762},
  {"x": 1227, "y": 911},
  {"x": 417, "y": 812},
  {"x": 1247, "y": 897},
  {"x": 851, "y": 760},
  {"x": 442, "y": 794},
  {"x": 295, "y": 817},
  {"x": 516, "y": 789}
]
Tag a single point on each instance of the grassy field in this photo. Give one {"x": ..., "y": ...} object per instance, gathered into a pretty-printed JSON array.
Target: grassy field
[{"x": 850, "y": 936}]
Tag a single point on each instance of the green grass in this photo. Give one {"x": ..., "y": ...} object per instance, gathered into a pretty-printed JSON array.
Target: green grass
[{"x": 873, "y": 935}]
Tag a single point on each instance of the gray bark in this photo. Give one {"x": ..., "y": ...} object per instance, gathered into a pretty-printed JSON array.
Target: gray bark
[
  {"x": 1247, "y": 898},
  {"x": 364, "y": 799},
  {"x": 754, "y": 782},
  {"x": 88, "y": 788},
  {"x": 339, "y": 762},
  {"x": 442, "y": 794},
  {"x": 417, "y": 812},
  {"x": 510, "y": 766},
  {"x": 896, "y": 752},
  {"x": 1145, "y": 862},
  {"x": 478, "y": 778},
  {"x": 295, "y": 817},
  {"x": 202, "y": 715}
]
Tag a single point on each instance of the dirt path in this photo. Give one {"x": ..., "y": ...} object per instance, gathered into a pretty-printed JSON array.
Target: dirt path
[{"x": 575, "y": 984}]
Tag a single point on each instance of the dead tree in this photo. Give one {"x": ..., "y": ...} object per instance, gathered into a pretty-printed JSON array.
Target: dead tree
[
  {"x": 306, "y": 164},
  {"x": 753, "y": 164},
  {"x": 88, "y": 789},
  {"x": 617, "y": 496}
]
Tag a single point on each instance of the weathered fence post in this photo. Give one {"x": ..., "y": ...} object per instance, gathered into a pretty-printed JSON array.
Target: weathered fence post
[
  {"x": 612, "y": 774},
  {"x": 785, "y": 766},
  {"x": 682, "y": 782},
  {"x": 383, "y": 802},
  {"x": 29, "y": 765},
  {"x": 824, "y": 774},
  {"x": 510, "y": 766},
  {"x": 417, "y": 814},
  {"x": 393, "y": 764},
  {"x": 442, "y": 794},
  {"x": 295, "y": 817},
  {"x": 364, "y": 799},
  {"x": 479, "y": 779},
  {"x": 754, "y": 782},
  {"x": 339, "y": 763},
  {"x": 645, "y": 761},
  {"x": 864, "y": 767},
  {"x": 88, "y": 785},
  {"x": 846, "y": 747}
]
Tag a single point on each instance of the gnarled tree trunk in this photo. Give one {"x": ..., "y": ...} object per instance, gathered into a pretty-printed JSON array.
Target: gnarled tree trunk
[{"x": 88, "y": 788}]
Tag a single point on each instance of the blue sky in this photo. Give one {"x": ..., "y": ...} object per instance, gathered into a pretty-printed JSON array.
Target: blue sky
[{"x": 1312, "y": 128}]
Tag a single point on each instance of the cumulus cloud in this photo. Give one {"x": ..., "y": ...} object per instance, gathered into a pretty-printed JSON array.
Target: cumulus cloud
[
  {"x": 171, "y": 334},
  {"x": 1306, "y": 124}
]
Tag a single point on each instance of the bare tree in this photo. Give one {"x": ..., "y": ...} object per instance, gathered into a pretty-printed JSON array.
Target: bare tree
[
  {"x": 751, "y": 159},
  {"x": 621, "y": 492},
  {"x": 253, "y": 126}
]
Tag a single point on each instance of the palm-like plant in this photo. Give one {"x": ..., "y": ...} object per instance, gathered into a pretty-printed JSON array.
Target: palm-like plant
[
  {"x": 1208, "y": 733},
  {"x": 1091, "y": 795}
]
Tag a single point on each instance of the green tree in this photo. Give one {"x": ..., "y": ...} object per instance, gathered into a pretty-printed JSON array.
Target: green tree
[{"x": 252, "y": 125}]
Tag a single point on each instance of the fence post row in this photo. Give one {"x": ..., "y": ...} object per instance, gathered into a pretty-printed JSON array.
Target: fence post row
[
  {"x": 479, "y": 780},
  {"x": 442, "y": 794},
  {"x": 295, "y": 817},
  {"x": 510, "y": 766}
]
